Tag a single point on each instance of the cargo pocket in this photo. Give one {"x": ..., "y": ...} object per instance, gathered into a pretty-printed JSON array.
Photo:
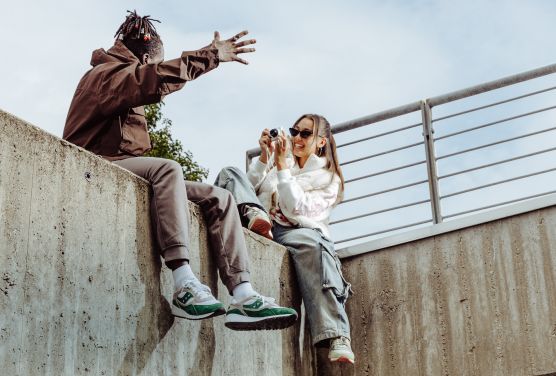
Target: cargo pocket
[{"x": 331, "y": 274}]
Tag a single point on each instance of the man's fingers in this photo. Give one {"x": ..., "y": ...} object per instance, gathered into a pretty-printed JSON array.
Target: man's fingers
[
  {"x": 217, "y": 35},
  {"x": 235, "y": 58},
  {"x": 244, "y": 50},
  {"x": 246, "y": 42},
  {"x": 239, "y": 35}
]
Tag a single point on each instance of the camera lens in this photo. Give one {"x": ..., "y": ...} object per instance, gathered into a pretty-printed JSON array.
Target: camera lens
[{"x": 273, "y": 132}]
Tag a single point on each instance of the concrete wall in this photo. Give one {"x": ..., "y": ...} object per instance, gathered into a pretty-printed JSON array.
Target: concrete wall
[
  {"x": 82, "y": 290},
  {"x": 478, "y": 301}
]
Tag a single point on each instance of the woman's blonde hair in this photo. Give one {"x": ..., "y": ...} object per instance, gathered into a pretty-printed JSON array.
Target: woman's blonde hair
[{"x": 321, "y": 127}]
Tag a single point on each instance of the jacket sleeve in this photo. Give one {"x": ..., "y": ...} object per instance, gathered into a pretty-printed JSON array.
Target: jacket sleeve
[
  {"x": 141, "y": 84},
  {"x": 306, "y": 203},
  {"x": 256, "y": 173}
]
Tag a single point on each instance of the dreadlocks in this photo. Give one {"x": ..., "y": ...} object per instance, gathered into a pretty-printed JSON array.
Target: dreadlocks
[{"x": 139, "y": 35}]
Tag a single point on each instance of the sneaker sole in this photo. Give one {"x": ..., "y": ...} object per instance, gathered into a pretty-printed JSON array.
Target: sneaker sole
[
  {"x": 342, "y": 359},
  {"x": 240, "y": 322},
  {"x": 184, "y": 315},
  {"x": 261, "y": 227}
]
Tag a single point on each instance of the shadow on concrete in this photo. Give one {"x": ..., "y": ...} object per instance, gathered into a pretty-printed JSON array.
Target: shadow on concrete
[
  {"x": 295, "y": 339},
  {"x": 204, "y": 353},
  {"x": 156, "y": 310}
]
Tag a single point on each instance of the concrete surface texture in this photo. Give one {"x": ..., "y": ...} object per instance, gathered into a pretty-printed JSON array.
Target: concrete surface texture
[
  {"x": 478, "y": 301},
  {"x": 82, "y": 290}
]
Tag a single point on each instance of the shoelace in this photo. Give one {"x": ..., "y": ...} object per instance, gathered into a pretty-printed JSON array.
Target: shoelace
[
  {"x": 198, "y": 289},
  {"x": 251, "y": 211},
  {"x": 271, "y": 301},
  {"x": 341, "y": 342}
]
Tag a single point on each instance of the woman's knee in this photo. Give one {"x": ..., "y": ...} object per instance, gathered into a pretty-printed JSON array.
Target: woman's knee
[
  {"x": 228, "y": 172},
  {"x": 301, "y": 238}
]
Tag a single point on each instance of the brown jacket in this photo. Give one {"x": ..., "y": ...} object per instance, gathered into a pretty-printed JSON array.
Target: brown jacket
[{"x": 106, "y": 115}]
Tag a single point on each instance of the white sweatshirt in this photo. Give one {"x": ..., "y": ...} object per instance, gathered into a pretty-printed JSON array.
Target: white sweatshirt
[{"x": 306, "y": 196}]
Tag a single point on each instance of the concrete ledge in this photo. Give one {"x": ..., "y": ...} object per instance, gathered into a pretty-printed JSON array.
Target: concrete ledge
[{"x": 82, "y": 290}]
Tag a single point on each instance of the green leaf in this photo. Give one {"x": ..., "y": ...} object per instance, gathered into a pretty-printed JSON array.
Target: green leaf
[{"x": 164, "y": 145}]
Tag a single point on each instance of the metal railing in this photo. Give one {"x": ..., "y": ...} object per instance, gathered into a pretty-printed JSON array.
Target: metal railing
[{"x": 430, "y": 160}]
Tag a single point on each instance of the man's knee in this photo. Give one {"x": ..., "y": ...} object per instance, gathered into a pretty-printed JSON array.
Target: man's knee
[
  {"x": 169, "y": 169},
  {"x": 224, "y": 197},
  {"x": 172, "y": 166}
]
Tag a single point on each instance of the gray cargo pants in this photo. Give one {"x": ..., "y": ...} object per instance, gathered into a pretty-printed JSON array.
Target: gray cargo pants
[
  {"x": 170, "y": 217},
  {"x": 319, "y": 275}
]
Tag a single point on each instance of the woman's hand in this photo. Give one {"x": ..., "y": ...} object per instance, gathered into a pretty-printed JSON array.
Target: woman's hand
[
  {"x": 266, "y": 144},
  {"x": 280, "y": 152}
]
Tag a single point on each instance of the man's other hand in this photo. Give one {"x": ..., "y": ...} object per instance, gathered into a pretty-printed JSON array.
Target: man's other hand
[{"x": 229, "y": 49}]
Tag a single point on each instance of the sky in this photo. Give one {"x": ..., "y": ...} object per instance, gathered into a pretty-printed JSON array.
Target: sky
[{"x": 342, "y": 59}]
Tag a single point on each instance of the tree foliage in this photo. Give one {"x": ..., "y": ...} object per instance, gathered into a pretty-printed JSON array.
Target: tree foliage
[{"x": 164, "y": 145}]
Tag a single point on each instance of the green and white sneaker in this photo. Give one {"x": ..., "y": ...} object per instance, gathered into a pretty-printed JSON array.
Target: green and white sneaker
[
  {"x": 258, "y": 313},
  {"x": 194, "y": 301}
]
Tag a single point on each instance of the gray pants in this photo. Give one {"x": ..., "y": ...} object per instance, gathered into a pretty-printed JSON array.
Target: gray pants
[
  {"x": 319, "y": 276},
  {"x": 170, "y": 217}
]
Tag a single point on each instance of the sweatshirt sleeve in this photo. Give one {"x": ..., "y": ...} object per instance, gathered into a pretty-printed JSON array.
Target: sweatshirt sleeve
[
  {"x": 256, "y": 173},
  {"x": 141, "y": 84},
  {"x": 311, "y": 203}
]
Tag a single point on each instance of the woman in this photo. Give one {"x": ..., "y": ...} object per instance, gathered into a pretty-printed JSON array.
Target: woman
[{"x": 289, "y": 199}]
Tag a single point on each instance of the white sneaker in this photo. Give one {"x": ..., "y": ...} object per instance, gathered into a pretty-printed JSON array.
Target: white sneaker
[
  {"x": 258, "y": 221},
  {"x": 194, "y": 301},
  {"x": 340, "y": 351}
]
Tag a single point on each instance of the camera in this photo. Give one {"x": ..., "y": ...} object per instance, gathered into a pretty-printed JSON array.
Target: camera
[{"x": 274, "y": 133}]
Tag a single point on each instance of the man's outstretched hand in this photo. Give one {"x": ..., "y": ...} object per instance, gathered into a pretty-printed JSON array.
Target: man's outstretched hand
[{"x": 229, "y": 49}]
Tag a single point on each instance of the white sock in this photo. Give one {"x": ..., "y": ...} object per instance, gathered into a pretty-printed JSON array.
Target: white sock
[
  {"x": 243, "y": 290},
  {"x": 182, "y": 274}
]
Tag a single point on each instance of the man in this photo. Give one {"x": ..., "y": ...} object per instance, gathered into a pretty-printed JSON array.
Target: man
[{"x": 106, "y": 117}]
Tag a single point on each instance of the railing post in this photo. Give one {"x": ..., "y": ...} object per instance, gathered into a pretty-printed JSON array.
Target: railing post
[
  {"x": 431, "y": 161},
  {"x": 247, "y": 161}
]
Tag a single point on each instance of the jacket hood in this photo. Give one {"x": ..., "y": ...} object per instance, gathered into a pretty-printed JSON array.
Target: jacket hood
[{"x": 117, "y": 53}]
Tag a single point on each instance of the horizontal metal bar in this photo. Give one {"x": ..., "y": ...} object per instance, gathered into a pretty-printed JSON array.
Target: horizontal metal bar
[
  {"x": 496, "y": 163},
  {"x": 495, "y": 122},
  {"x": 382, "y": 153},
  {"x": 492, "y": 85},
  {"x": 385, "y": 191},
  {"x": 376, "y": 117},
  {"x": 378, "y": 135},
  {"x": 434, "y": 101},
  {"x": 380, "y": 211},
  {"x": 384, "y": 172},
  {"x": 498, "y": 183},
  {"x": 500, "y": 204},
  {"x": 383, "y": 231},
  {"x": 493, "y": 104},
  {"x": 495, "y": 143}
]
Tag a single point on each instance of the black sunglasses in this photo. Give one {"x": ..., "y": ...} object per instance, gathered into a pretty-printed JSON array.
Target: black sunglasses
[{"x": 304, "y": 133}]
